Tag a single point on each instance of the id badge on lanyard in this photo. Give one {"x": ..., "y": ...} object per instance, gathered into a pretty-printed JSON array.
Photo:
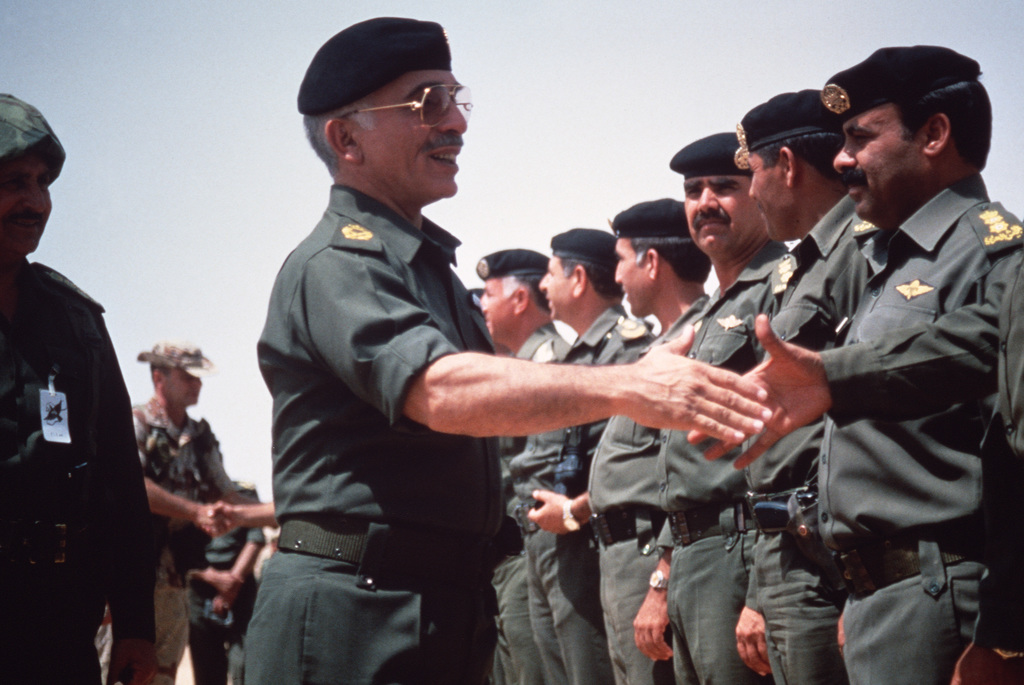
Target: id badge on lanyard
[{"x": 53, "y": 411}]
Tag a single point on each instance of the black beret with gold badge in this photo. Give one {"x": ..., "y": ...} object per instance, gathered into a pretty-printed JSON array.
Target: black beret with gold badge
[
  {"x": 901, "y": 74},
  {"x": 714, "y": 155},
  {"x": 367, "y": 56},
  {"x": 785, "y": 116},
  {"x": 586, "y": 245},
  {"x": 512, "y": 263},
  {"x": 654, "y": 219}
]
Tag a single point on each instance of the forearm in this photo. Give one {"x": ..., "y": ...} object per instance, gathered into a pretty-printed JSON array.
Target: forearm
[
  {"x": 245, "y": 560},
  {"x": 168, "y": 504}
]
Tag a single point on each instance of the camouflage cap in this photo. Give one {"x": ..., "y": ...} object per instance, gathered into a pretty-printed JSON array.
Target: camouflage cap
[
  {"x": 180, "y": 355},
  {"x": 23, "y": 128}
]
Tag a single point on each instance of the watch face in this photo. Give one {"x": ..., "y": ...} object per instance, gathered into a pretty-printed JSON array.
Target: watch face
[
  {"x": 658, "y": 580},
  {"x": 572, "y": 524}
]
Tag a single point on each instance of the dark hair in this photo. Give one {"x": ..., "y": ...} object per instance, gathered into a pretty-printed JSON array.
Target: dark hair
[
  {"x": 602, "y": 277},
  {"x": 685, "y": 258},
  {"x": 817, "y": 149},
  {"x": 532, "y": 285},
  {"x": 970, "y": 116}
]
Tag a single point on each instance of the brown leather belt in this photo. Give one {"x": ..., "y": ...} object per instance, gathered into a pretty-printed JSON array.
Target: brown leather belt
[
  {"x": 875, "y": 566},
  {"x": 705, "y": 521}
]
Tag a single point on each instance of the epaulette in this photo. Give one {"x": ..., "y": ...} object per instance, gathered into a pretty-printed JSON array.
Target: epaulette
[
  {"x": 998, "y": 230},
  {"x": 781, "y": 274},
  {"x": 630, "y": 329},
  {"x": 353, "y": 236},
  {"x": 55, "y": 278}
]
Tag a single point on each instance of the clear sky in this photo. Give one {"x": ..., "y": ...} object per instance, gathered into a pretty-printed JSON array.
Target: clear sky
[{"x": 188, "y": 178}]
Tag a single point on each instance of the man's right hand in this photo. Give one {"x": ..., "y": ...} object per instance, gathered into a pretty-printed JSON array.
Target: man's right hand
[
  {"x": 685, "y": 394},
  {"x": 795, "y": 380},
  {"x": 751, "y": 641},
  {"x": 212, "y": 519}
]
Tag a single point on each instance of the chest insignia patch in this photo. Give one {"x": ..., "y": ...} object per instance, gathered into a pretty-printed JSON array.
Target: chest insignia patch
[
  {"x": 998, "y": 228},
  {"x": 629, "y": 329},
  {"x": 356, "y": 232},
  {"x": 730, "y": 322},
  {"x": 863, "y": 226},
  {"x": 914, "y": 289}
]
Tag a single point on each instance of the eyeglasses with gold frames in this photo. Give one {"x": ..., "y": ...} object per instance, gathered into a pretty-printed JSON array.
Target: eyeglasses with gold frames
[{"x": 435, "y": 103}]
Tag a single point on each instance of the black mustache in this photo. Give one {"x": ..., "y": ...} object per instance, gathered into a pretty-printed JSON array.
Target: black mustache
[
  {"x": 705, "y": 216},
  {"x": 854, "y": 177},
  {"x": 445, "y": 140},
  {"x": 26, "y": 216}
]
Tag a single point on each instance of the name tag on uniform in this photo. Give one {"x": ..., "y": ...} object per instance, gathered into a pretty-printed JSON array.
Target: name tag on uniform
[{"x": 53, "y": 412}]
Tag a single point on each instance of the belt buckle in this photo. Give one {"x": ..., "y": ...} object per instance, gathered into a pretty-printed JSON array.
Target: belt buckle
[
  {"x": 680, "y": 529},
  {"x": 602, "y": 532},
  {"x": 855, "y": 574}
]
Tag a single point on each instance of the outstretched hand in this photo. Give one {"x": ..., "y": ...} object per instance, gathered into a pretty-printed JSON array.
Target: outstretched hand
[
  {"x": 798, "y": 393},
  {"x": 684, "y": 394}
]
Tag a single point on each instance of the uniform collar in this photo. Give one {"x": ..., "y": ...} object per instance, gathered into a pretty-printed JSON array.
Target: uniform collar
[
  {"x": 401, "y": 236},
  {"x": 536, "y": 339},
  {"x": 601, "y": 326},
  {"x": 763, "y": 263},
  {"x": 931, "y": 222},
  {"x": 826, "y": 233}
]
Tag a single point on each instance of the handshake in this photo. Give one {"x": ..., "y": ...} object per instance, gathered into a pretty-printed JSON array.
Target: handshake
[{"x": 221, "y": 517}]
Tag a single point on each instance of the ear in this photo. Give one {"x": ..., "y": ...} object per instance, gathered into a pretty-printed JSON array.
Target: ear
[
  {"x": 653, "y": 261},
  {"x": 579, "y": 281},
  {"x": 790, "y": 168},
  {"x": 520, "y": 300},
  {"x": 936, "y": 134},
  {"x": 339, "y": 133}
]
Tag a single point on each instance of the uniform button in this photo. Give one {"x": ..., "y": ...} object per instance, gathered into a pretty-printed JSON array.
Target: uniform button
[
  {"x": 876, "y": 291},
  {"x": 1010, "y": 429},
  {"x": 692, "y": 355},
  {"x": 663, "y": 486},
  {"x": 824, "y": 517},
  {"x": 934, "y": 588},
  {"x": 1002, "y": 346}
]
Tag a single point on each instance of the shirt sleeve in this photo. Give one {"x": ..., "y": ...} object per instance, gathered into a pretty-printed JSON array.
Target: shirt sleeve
[{"x": 365, "y": 324}]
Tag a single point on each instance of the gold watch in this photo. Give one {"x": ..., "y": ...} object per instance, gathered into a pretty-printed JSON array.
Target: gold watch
[
  {"x": 1008, "y": 653},
  {"x": 570, "y": 522},
  {"x": 659, "y": 581}
]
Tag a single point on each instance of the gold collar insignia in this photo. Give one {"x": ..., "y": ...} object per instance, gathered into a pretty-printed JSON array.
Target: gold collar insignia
[
  {"x": 863, "y": 226},
  {"x": 356, "y": 232}
]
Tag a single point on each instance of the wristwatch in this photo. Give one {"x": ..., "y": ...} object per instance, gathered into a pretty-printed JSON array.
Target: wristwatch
[
  {"x": 567, "y": 518},
  {"x": 1008, "y": 653},
  {"x": 659, "y": 581}
]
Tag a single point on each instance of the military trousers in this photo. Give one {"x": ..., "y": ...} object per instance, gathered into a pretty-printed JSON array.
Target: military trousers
[
  {"x": 801, "y": 611},
  {"x": 218, "y": 650},
  {"x": 170, "y": 605},
  {"x": 625, "y": 575},
  {"x": 316, "y": 624},
  {"x": 565, "y": 608},
  {"x": 707, "y": 590},
  {"x": 913, "y": 631},
  {"x": 517, "y": 659}
]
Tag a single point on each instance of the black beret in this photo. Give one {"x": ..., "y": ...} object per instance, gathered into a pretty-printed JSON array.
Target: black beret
[
  {"x": 711, "y": 156},
  {"x": 654, "y": 219},
  {"x": 512, "y": 263},
  {"x": 586, "y": 245},
  {"x": 23, "y": 129},
  {"x": 899, "y": 75},
  {"x": 785, "y": 116},
  {"x": 367, "y": 56}
]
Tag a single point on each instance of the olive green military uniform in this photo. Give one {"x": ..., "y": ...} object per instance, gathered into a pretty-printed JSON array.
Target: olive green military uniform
[
  {"x": 74, "y": 520},
  {"x": 902, "y": 499},
  {"x": 713, "y": 560},
  {"x": 1001, "y": 612},
  {"x": 517, "y": 660},
  {"x": 385, "y": 556},
  {"x": 818, "y": 287},
  {"x": 626, "y": 502},
  {"x": 565, "y": 606}
]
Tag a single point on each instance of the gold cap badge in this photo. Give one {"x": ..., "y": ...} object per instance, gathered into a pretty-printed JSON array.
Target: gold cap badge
[
  {"x": 835, "y": 98},
  {"x": 356, "y": 232},
  {"x": 483, "y": 269},
  {"x": 742, "y": 156}
]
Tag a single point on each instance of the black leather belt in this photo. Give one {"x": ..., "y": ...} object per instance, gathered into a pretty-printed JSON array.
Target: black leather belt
[
  {"x": 36, "y": 542},
  {"x": 386, "y": 551},
  {"x": 874, "y": 566},
  {"x": 705, "y": 521},
  {"x": 620, "y": 524}
]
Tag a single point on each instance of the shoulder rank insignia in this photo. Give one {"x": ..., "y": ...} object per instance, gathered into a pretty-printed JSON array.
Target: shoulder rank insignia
[
  {"x": 998, "y": 229},
  {"x": 783, "y": 273},
  {"x": 356, "y": 232},
  {"x": 730, "y": 322},
  {"x": 863, "y": 226},
  {"x": 914, "y": 289},
  {"x": 630, "y": 329}
]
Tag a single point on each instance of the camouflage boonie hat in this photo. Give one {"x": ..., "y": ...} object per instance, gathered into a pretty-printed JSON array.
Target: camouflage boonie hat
[
  {"x": 23, "y": 128},
  {"x": 181, "y": 355}
]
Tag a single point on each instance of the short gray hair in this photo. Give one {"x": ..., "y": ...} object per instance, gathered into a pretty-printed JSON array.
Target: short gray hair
[{"x": 315, "y": 125}]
